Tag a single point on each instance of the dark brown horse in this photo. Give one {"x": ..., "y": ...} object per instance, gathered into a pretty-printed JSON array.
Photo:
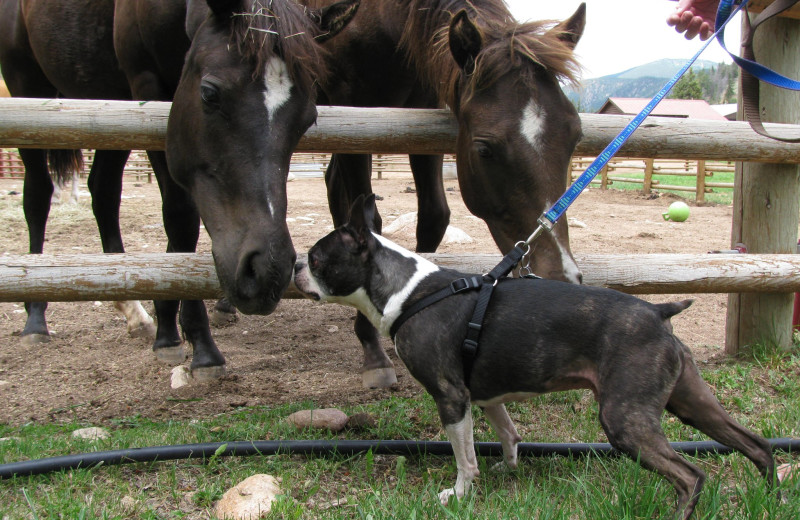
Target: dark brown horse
[
  {"x": 516, "y": 128},
  {"x": 66, "y": 48},
  {"x": 34, "y": 38}
]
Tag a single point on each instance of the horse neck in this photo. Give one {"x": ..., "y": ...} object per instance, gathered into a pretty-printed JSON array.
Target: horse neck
[{"x": 432, "y": 59}]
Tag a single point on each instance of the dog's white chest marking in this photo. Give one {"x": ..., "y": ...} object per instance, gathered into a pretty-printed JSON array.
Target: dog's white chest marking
[
  {"x": 394, "y": 306},
  {"x": 278, "y": 86}
]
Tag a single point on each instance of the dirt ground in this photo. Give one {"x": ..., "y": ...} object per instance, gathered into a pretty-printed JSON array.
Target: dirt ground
[{"x": 92, "y": 372}]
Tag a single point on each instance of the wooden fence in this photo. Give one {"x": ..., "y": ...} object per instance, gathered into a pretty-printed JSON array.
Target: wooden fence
[
  {"x": 138, "y": 166},
  {"x": 303, "y": 164},
  {"x": 192, "y": 276},
  {"x": 642, "y": 171},
  {"x": 131, "y": 125}
]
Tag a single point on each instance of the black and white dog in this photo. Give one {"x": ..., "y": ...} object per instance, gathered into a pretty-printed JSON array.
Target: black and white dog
[{"x": 538, "y": 336}]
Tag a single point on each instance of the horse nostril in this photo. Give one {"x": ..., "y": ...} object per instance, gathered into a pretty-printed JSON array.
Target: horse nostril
[{"x": 298, "y": 267}]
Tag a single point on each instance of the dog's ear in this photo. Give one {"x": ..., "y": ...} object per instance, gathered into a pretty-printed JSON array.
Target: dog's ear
[{"x": 362, "y": 215}]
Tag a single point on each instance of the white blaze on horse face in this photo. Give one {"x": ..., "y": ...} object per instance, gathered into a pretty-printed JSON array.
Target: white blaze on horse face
[
  {"x": 278, "y": 85},
  {"x": 532, "y": 124},
  {"x": 571, "y": 272}
]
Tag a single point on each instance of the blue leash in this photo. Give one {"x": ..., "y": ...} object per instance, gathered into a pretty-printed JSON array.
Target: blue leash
[
  {"x": 551, "y": 216},
  {"x": 756, "y": 69}
]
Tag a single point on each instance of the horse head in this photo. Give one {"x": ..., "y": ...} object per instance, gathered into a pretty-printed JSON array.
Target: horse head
[
  {"x": 245, "y": 98},
  {"x": 517, "y": 129}
]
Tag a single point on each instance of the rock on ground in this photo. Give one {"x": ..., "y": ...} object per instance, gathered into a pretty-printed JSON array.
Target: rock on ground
[
  {"x": 250, "y": 499},
  {"x": 323, "y": 418}
]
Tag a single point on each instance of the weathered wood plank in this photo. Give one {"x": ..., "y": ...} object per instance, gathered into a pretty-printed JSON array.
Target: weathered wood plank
[
  {"x": 66, "y": 123},
  {"x": 192, "y": 276},
  {"x": 766, "y": 201}
]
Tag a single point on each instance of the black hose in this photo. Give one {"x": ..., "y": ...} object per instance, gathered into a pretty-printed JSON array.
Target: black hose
[{"x": 317, "y": 447}]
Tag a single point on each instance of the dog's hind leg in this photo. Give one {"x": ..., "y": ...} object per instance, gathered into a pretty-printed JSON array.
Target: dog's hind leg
[
  {"x": 497, "y": 415},
  {"x": 694, "y": 404},
  {"x": 459, "y": 433},
  {"x": 634, "y": 428}
]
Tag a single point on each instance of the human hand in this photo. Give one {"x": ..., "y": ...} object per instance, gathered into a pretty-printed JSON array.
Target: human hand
[{"x": 694, "y": 17}]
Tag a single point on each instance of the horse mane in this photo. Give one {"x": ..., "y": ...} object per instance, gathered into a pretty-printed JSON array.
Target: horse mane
[
  {"x": 262, "y": 29},
  {"x": 507, "y": 46}
]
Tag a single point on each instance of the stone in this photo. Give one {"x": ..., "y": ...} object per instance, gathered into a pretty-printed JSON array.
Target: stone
[
  {"x": 92, "y": 433},
  {"x": 250, "y": 499},
  {"x": 454, "y": 235},
  {"x": 181, "y": 376},
  {"x": 322, "y": 418}
]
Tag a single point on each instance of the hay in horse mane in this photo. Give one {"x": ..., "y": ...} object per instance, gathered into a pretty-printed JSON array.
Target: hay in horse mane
[
  {"x": 507, "y": 46},
  {"x": 263, "y": 29}
]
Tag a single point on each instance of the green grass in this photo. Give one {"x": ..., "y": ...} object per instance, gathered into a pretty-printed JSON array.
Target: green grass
[{"x": 761, "y": 390}]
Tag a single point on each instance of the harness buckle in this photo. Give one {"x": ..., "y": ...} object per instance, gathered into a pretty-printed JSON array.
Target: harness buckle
[
  {"x": 464, "y": 284},
  {"x": 470, "y": 348}
]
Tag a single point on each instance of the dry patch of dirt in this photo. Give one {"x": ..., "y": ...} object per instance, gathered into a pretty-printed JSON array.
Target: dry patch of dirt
[{"x": 93, "y": 372}]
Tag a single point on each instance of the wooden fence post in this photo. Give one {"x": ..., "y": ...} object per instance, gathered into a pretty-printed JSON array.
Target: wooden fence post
[
  {"x": 765, "y": 206},
  {"x": 700, "y": 194},
  {"x": 649, "y": 164}
]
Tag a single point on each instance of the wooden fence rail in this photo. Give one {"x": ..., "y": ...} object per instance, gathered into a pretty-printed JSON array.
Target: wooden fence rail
[
  {"x": 192, "y": 276},
  {"x": 63, "y": 123},
  {"x": 641, "y": 171}
]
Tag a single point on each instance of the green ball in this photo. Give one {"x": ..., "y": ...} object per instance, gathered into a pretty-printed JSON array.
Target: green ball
[{"x": 677, "y": 212}]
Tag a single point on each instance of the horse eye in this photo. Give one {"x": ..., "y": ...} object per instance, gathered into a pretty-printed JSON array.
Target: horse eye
[
  {"x": 209, "y": 93},
  {"x": 483, "y": 150}
]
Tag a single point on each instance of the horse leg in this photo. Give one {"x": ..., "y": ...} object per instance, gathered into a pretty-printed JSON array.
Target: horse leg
[
  {"x": 346, "y": 177},
  {"x": 224, "y": 313},
  {"x": 105, "y": 185},
  {"x": 36, "y": 195},
  {"x": 182, "y": 225},
  {"x": 433, "y": 214},
  {"x": 75, "y": 192}
]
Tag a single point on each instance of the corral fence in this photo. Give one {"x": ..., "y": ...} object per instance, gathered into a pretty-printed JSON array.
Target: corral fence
[
  {"x": 303, "y": 165},
  {"x": 643, "y": 172},
  {"x": 130, "y": 125},
  {"x": 137, "y": 167}
]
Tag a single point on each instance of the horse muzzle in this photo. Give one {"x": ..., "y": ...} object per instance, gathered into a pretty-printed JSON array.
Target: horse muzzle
[{"x": 258, "y": 276}]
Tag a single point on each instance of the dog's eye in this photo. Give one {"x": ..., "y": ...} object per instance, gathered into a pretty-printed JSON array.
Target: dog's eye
[{"x": 313, "y": 261}]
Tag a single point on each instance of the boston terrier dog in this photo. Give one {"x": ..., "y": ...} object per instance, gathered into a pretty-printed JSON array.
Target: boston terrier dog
[{"x": 537, "y": 336}]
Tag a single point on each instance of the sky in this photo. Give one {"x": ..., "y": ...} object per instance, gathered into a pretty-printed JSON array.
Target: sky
[{"x": 621, "y": 34}]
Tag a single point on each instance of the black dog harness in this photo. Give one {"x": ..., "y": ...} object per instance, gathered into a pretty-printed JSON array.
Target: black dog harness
[{"x": 485, "y": 283}]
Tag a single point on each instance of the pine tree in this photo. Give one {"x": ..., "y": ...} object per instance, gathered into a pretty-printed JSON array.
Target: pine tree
[{"x": 688, "y": 87}]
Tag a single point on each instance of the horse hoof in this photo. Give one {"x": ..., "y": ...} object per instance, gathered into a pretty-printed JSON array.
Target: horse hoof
[
  {"x": 145, "y": 330},
  {"x": 205, "y": 374},
  {"x": 171, "y": 355},
  {"x": 35, "y": 339},
  {"x": 221, "y": 319},
  {"x": 378, "y": 378}
]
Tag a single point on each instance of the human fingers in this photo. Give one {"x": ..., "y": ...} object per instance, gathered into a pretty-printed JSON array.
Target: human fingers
[{"x": 693, "y": 28}]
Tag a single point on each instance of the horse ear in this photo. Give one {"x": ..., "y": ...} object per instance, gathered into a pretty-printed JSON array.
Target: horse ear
[
  {"x": 465, "y": 41},
  {"x": 223, "y": 8},
  {"x": 333, "y": 18},
  {"x": 570, "y": 30}
]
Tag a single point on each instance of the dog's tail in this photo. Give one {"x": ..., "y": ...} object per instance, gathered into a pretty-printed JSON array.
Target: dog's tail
[{"x": 669, "y": 310}]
